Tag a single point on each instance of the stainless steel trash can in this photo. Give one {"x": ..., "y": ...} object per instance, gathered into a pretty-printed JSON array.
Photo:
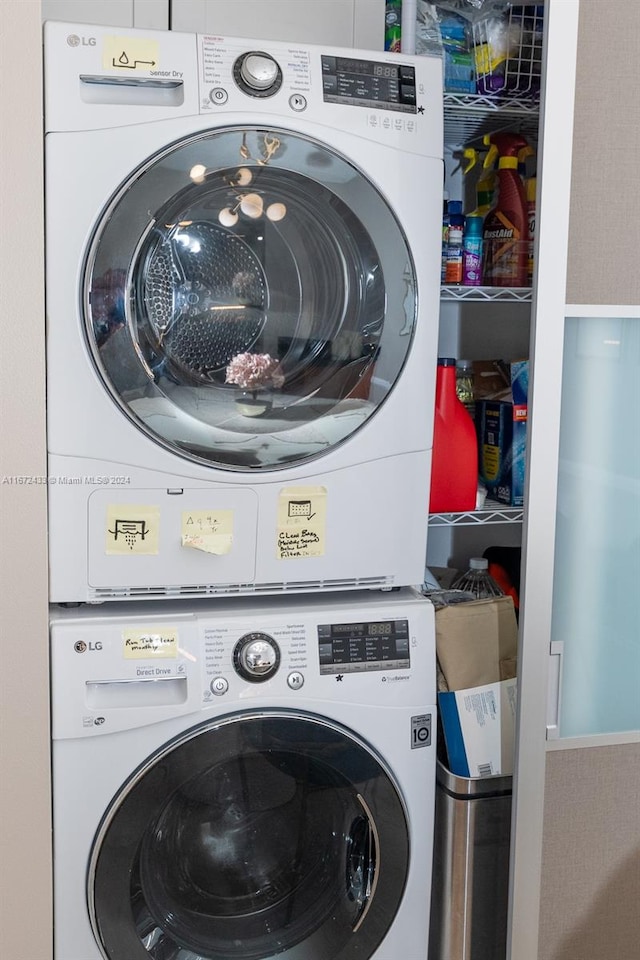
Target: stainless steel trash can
[{"x": 470, "y": 867}]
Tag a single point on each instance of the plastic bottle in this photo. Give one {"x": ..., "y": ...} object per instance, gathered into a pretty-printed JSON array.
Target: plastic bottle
[
  {"x": 530, "y": 189},
  {"x": 530, "y": 196},
  {"x": 453, "y": 267},
  {"x": 485, "y": 187},
  {"x": 506, "y": 226},
  {"x": 445, "y": 236},
  {"x": 478, "y": 581},
  {"x": 464, "y": 384},
  {"x": 472, "y": 251},
  {"x": 393, "y": 26},
  {"x": 454, "y": 464}
]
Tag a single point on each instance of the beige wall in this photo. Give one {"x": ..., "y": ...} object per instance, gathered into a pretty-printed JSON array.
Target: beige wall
[
  {"x": 25, "y": 851},
  {"x": 590, "y": 907},
  {"x": 604, "y": 230}
]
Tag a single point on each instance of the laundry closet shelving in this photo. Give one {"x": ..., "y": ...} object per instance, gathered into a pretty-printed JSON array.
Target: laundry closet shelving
[{"x": 480, "y": 323}]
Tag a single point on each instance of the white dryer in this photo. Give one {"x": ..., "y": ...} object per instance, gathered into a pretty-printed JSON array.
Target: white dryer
[
  {"x": 236, "y": 783},
  {"x": 242, "y": 269}
]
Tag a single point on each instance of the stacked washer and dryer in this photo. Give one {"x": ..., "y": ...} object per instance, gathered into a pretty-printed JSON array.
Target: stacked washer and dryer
[{"x": 243, "y": 253}]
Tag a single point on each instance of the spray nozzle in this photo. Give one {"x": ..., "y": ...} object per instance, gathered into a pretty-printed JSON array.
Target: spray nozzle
[
  {"x": 471, "y": 155},
  {"x": 507, "y": 144},
  {"x": 491, "y": 157},
  {"x": 524, "y": 153}
]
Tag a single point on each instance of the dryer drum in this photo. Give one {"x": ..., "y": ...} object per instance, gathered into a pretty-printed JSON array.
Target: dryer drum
[{"x": 205, "y": 298}]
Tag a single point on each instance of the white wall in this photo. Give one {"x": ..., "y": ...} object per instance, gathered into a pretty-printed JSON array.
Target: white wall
[{"x": 25, "y": 827}]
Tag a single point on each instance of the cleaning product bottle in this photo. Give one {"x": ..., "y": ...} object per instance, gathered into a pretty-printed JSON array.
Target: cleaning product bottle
[
  {"x": 506, "y": 230},
  {"x": 472, "y": 250},
  {"x": 454, "y": 464},
  {"x": 453, "y": 266},
  {"x": 530, "y": 185},
  {"x": 445, "y": 236},
  {"x": 485, "y": 187},
  {"x": 530, "y": 189},
  {"x": 474, "y": 222}
]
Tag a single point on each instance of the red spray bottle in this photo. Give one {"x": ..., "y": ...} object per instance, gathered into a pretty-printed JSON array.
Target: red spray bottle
[{"x": 506, "y": 227}]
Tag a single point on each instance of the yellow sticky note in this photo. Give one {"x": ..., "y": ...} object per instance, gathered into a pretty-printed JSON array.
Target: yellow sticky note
[
  {"x": 302, "y": 513},
  {"x": 150, "y": 644},
  {"x": 217, "y": 543},
  {"x": 208, "y": 530},
  {"x": 129, "y": 54},
  {"x": 132, "y": 530}
]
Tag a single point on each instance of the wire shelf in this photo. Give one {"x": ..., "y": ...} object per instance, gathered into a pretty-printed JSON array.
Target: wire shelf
[
  {"x": 467, "y": 117},
  {"x": 507, "y": 58},
  {"x": 492, "y": 512},
  {"x": 483, "y": 294}
]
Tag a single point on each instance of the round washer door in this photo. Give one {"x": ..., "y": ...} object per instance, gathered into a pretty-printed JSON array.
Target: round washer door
[
  {"x": 249, "y": 298},
  {"x": 255, "y": 836}
]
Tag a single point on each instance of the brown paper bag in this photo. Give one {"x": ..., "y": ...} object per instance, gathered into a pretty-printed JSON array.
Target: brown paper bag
[{"x": 476, "y": 642}]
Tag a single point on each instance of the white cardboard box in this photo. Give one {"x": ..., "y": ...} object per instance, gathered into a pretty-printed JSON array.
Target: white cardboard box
[{"x": 479, "y": 729}]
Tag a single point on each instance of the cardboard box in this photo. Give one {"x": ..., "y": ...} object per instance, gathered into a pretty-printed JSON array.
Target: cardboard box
[
  {"x": 479, "y": 729},
  {"x": 501, "y": 426},
  {"x": 476, "y": 642}
]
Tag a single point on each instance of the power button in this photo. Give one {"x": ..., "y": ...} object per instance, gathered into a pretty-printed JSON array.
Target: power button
[
  {"x": 219, "y": 686},
  {"x": 218, "y": 96}
]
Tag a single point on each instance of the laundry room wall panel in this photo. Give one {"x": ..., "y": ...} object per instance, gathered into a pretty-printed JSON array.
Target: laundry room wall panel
[
  {"x": 339, "y": 22},
  {"x": 119, "y": 13},
  {"x": 25, "y": 805},
  {"x": 146, "y": 14},
  {"x": 604, "y": 231}
]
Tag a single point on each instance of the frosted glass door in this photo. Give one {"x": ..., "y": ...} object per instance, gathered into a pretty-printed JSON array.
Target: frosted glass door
[{"x": 596, "y": 599}]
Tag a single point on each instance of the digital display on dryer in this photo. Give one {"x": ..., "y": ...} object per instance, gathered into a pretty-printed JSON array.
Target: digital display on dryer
[
  {"x": 369, "y": 83},
  {"x": 363, "y": 646}
]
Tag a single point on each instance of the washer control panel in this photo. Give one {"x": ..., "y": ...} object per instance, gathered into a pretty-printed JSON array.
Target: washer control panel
[
  {"x": 287, "y": 655},
  {"x": 148, "y": 662}
]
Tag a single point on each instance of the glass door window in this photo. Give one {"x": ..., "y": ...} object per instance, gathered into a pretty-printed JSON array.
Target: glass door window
[
  {"x": 249, "y": 838},
  {"x": 249, "y": 298},
  {"x": 597, "y": 561}
]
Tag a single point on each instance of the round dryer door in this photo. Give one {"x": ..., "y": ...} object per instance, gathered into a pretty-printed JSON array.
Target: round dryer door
[
  {"x": 255, "y": 836},
  {"x": 249, "y": 298}
]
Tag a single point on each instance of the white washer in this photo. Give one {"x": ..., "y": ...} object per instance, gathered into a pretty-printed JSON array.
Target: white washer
[
  {"x": 235, "y": 784},
  {"x": 210, "y": 199}
]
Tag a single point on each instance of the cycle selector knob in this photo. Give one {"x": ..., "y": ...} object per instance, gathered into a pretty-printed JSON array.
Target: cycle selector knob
[
  {"x": 256, "y": 657},
  {"x": 259, "y": 71},
  {"x": 257, "y": 74}
]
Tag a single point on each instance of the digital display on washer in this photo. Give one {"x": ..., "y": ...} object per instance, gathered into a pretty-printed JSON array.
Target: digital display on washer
[
  {"x": 363, "y": 646},
  {"x": 369, "y": 83}
]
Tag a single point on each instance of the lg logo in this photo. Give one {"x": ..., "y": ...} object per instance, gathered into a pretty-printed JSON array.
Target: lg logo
[
  {"x": 75, "y": 41},
  {"x": 81, "y": 647}
]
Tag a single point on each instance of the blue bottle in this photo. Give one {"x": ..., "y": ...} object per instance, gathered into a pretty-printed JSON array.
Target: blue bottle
[{"x": 472, "y": 251}]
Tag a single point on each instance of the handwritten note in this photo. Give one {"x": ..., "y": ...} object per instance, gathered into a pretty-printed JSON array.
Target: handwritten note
[
  {"x": 129, "y": 55},
  {"x": 132, "y": 529},
  {"x": 152, "y": 643},
  {"x": 208, "y": 530},
  {"x": 302, "y": 513}
]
